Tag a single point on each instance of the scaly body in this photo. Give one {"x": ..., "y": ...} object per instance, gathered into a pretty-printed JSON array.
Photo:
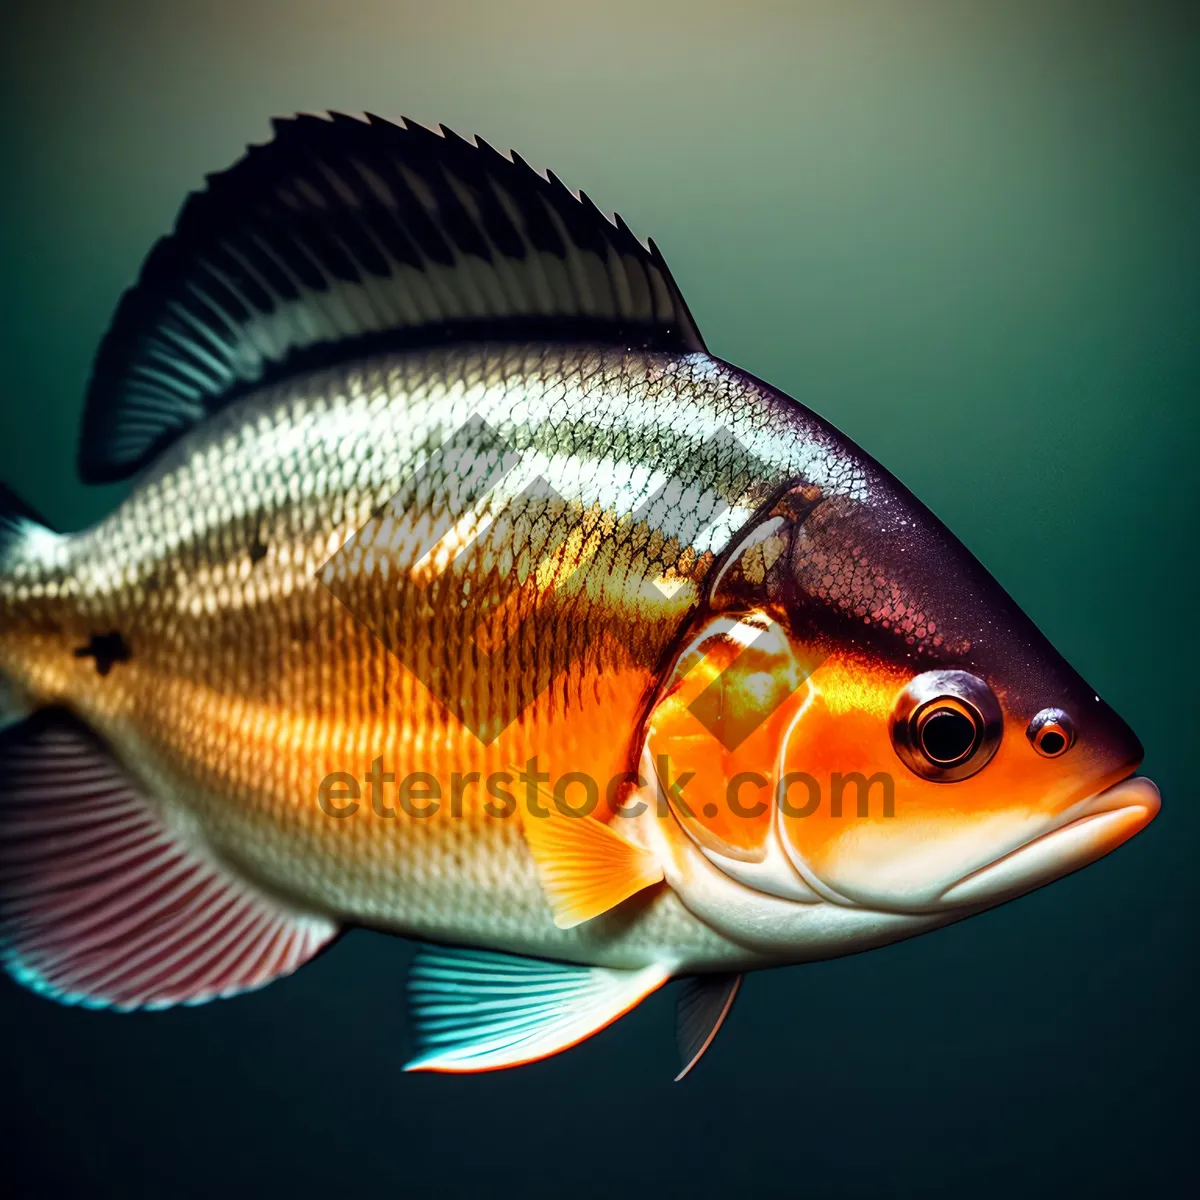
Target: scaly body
[
  {"x": 249, "y": 681},
  {"x": 441, "y": 509}
]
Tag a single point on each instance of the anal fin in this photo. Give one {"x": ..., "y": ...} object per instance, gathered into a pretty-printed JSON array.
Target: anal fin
[
  {"x": 102, "y": 905},
  {"x": 476, "y": 1010}
]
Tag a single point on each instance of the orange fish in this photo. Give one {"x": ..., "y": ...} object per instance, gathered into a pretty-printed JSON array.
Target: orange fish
[{"x": 461, "y": 594}]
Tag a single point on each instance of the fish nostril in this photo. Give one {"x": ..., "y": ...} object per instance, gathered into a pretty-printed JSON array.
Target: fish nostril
[{"x": 1051, "y": 732}]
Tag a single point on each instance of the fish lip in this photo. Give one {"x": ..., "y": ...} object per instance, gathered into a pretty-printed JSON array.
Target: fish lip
[{"x": 1032, "y": 865}]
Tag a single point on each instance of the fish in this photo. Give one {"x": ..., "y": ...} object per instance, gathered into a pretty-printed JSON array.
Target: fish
[{"x": 460, "y": 593}]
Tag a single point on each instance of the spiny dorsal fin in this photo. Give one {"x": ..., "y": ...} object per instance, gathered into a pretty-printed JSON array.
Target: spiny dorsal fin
[{"x": 345, "y": 235}]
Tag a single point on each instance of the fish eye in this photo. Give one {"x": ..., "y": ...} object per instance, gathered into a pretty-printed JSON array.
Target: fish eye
[
  {"x": 1051, "y": 732},
  {"x": 946, "y": 725},
  {"x": 946, "y": 732}
]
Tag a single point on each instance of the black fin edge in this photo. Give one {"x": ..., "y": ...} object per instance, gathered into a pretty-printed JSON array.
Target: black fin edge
[{"x": 312, "y": 360}]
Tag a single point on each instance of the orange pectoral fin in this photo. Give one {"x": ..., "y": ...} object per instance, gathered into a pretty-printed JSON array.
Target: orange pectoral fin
[{"x": 585, "y": 867}]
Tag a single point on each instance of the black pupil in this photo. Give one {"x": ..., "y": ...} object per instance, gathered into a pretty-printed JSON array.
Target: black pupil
[
  {"x": 1053, "y": 742},
  {"x": 947, "y": 735}
]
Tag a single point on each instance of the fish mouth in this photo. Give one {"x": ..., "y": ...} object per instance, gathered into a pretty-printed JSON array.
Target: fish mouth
[{"x": 1087, "y": 832}]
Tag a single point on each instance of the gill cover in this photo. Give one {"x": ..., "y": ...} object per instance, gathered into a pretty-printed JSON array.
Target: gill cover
[{"x": 736, "y": 684}]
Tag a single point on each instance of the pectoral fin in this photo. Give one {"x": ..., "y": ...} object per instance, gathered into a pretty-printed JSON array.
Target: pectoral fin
[
  {"x": 585, "y": 866},
  {"x": 475, "y": 1010}
]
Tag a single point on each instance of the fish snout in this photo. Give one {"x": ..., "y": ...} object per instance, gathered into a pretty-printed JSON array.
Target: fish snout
[
  {"x": 1088, "y": 831},
  {"x": 1114, "y": 741}
]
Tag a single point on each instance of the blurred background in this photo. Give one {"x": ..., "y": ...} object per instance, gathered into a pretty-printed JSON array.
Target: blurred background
[{"x": 964, "y": 233}]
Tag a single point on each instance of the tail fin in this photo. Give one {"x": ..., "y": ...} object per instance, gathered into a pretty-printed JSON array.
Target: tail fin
[
  {"x": 18, "y": 523},
  {"x": 20, "y": 529},
  {"x": 105, "y": 903},
  {"x": 14, "y": 707}
]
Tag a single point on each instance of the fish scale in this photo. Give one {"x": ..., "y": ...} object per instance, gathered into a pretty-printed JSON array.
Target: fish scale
[{"x": 250, "y": 682}]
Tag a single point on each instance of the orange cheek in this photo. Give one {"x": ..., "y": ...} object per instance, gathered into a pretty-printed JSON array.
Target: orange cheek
[
  {"x": 852, "y": 813},
  {"x": 882, "y": 834}
]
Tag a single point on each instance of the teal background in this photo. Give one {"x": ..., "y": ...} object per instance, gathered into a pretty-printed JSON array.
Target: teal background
[{"x": 966, "y": 233}]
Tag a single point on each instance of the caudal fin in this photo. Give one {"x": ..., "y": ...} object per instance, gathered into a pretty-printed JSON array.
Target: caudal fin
[
  {"x": 24, "y": 537},
  {"x": 104, "y": 904},
  {"x": 18, "y": 525},
  {"x": 102, "y": 901}
]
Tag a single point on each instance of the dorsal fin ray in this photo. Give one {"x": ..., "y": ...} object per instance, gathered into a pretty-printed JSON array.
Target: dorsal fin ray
[{"x": 345, "y": 235}]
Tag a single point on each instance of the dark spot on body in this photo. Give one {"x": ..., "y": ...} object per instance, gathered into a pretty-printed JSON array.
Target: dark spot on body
[
  {"x": 107, "y": 649},
  {"x": 258, "y": 550}
]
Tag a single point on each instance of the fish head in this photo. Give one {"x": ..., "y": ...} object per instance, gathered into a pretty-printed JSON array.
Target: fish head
[{"x": 923, "y": 746}]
